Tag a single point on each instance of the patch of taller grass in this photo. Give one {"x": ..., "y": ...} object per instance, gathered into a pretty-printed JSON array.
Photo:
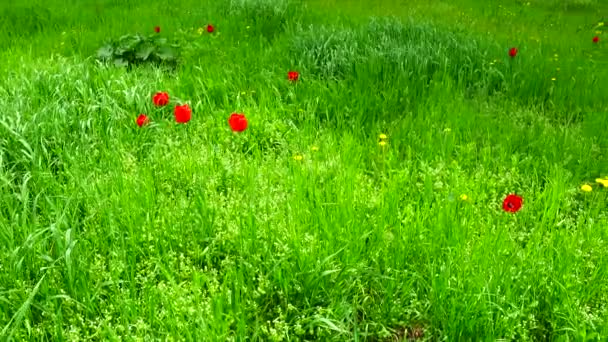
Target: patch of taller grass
[
  {"x": 412, "y": 55},
  {"x": 266, "y": 17}
]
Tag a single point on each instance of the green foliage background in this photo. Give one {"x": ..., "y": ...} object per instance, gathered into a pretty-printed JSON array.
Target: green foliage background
[{"x": 190, "y": 232}]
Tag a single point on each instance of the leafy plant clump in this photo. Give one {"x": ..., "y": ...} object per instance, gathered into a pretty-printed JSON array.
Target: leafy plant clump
[{"x": 130, "y": 50}]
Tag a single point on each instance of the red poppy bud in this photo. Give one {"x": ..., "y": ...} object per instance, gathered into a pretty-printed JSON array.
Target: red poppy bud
[
  {"x": 512, "y": 203},
  {"x": 237, "y": 122},
  {"x": 183, "y": 113},
  {"x": 293, "y": 76},
  {"x": 160, "y": 99},
  {"x": 142, "y": 119}
]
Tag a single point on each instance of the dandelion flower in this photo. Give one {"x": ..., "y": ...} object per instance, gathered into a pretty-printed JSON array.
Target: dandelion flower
[
  {"x": 382, "y": 143},
  {"x": 553, "y": 78},
  {"x": 314, "y": 148},
  {"x": 383, "y": 136},
  {"x": 464, "y": 197},
  {"x": 586, "y": 188},
  {"x": 604, "y": 182},
  {"x": 298, "y": 157}
]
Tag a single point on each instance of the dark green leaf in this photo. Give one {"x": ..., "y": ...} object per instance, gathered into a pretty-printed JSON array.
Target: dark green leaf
[
  {"x": 119, "y": 62},
  {"x": 134, "y": 49},
  {"x": 166, "y": 53},
  {"x": 129, "y": 42},
  {"x": 144, "y": 51},
  {"x": 105, "y": 52},
  {"x": 160, "y": 41}
]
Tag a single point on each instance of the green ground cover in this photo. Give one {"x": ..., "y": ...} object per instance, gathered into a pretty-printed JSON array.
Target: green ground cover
[{"x": 307, "y": 226}]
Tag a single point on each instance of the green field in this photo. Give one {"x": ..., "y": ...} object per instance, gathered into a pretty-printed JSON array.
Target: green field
[{"x": 307, "y": 226}]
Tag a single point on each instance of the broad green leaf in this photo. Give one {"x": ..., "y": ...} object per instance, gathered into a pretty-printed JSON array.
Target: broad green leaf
[
  {"x": 129, "y": 42},
  {"x": 166, "y": 53},
  {"x": 119, "y": 52},
  {"x": 105, "y": 52},
  {"x": 144, "y": 51},
  {"x": 119, "y": 62},
  {"x": 130, "y": 49}
]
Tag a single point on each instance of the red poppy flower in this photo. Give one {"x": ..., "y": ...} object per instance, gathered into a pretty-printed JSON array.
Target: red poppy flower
[
  {"x": 210, "y": 28},
  {"x": 183, "y": 113},
  {"x": 513, "y": 52},
  {"x": 512, "y": 203},
  {"x": 596, "y": 39},
  {"x": 293, "y": 75},
  {"x": 237, "y": 122},
  {"x": 142, "y": 119},
  {"x": 157, "y": 29},
  {"x": 160, "y": 99}
]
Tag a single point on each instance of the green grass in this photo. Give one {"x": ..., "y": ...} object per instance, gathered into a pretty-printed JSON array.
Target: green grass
[{"x": 113, "y": 232}]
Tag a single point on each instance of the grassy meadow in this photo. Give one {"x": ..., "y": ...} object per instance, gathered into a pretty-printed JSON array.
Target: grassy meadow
[{"x": 307, "y": 226}]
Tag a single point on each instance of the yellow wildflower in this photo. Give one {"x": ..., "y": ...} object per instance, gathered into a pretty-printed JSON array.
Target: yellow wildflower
[
  {"x": 464, "y": 197},
  {"x": 553, "y": 78},
  {"x": 604, "y": 182},
  {"x": 314, "y": 148},
  {"x": 586, "y": 188},
  {"x": 383, "y": 136},
  {"x": 382, "y": 143},
  {"x": 298, "y": 157},
  {"x": 200, "y": 30}
]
